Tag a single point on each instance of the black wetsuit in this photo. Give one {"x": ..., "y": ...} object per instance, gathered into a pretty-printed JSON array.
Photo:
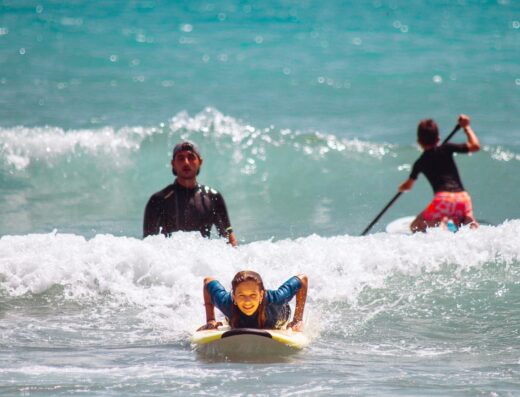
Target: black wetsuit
[
  {"x": 439, "y": 167},
  {"x": 176, "y": 208}
]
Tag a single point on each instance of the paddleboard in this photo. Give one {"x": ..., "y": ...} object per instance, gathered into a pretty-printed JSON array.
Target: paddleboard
[
  {"x": 248, "y": 342},
  {"x": 402, "y": 226}
]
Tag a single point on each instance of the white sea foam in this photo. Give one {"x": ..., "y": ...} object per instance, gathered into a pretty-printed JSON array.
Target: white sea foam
[
  {"x": 501, "y": 154},
  {"x": 162, "y": 278},
  {"x": 212, "y": 123},
  {"x": 20, "y": 146}
]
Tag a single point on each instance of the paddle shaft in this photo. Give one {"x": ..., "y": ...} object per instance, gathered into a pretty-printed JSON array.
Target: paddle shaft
[{"x": 394, "y": 199}]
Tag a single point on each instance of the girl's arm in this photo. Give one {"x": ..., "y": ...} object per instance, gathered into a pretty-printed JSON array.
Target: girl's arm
[
  {"x": 301, "y": 296},
  {"x": 211, "y": 323}
]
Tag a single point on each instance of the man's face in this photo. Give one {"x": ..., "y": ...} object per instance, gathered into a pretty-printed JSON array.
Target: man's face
[{"x": 186, "y": 164}]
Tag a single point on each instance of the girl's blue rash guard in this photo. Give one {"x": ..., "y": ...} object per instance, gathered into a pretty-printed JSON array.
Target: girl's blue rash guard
[{"x": 223, "y": 301}]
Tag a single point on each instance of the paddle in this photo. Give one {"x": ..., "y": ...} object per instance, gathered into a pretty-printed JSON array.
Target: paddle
[{"x": 457, "y": 127}]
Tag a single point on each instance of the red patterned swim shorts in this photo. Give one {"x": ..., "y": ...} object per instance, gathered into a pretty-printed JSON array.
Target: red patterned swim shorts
[{"x": 453, "y": 205}]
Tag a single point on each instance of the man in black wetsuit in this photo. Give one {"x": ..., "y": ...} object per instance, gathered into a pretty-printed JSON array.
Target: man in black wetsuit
[
  {"x": 451, "y": 201},
  {"x": 185, "y": 205}
]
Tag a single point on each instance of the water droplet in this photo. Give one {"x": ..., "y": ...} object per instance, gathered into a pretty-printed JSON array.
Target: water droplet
[
  {"x": 168, "y": 83},
  {"x": 287, "y": 71},
  {"x": 437, "y": 79},
  {"x": 259, "y": 39},
  {"x": 66, "y": 21},
  {"x": 4, "y": 31},
  {"x": 205, "y": 58},
  {"x": 187, "y": 28},
  {"x": 517, "y": 81},
  {"x": 221, "y": 17},
  {"x": 516, "y": 24},
  {"x": 357, "y": 41},
  {"x": 22, "y": 51},
  {"x": 39, "y": 9},
  {"x": 186, "y": 40},
  {"x": 113, "y": 58}
]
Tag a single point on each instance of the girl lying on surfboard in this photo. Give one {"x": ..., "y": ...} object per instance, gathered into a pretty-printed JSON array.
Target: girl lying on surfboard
[{"x": 250, "y": 305}]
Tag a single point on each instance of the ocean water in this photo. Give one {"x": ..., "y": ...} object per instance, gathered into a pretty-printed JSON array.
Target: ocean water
[{"x": 305, "y": 113}]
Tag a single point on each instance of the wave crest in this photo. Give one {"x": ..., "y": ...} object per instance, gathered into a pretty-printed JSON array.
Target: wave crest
[{"x": 20, "y": 146}]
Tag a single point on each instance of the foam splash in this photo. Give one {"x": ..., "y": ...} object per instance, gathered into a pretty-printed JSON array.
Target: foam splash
[
  {"x": 213, "y": 124},
  {"x": 21, "y": 146},
  {"x": 162, "y": 278},
  {"x": 501, "y": 154}
]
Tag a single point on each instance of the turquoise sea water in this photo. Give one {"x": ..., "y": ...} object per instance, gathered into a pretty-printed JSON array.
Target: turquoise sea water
[{"x": 305, "y": 113}]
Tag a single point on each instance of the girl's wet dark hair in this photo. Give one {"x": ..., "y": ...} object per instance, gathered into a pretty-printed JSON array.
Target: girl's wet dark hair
[
  {"x": 247, "y": 275},
  {"x": 428, "y": 132},
  {"x": 240, "y": 277}
]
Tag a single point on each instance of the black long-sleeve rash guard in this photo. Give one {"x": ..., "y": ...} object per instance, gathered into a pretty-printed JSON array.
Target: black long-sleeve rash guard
[
  {"x": 176, "y": 208},
  {"x": 439, "y": 167}
]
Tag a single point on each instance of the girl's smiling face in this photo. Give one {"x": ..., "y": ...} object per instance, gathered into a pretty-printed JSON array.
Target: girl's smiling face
[{"x": 248, "y": 296}]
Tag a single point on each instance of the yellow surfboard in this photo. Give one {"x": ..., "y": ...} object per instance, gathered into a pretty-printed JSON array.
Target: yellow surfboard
[{"x": 245, "y": 342}]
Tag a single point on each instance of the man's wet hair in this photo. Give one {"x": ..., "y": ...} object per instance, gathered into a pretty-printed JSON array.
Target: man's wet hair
[{"x": 186, "y": 145}]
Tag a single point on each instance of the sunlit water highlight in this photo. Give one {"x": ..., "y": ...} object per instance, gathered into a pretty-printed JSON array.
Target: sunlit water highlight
[{"x": 305, "y": 113}]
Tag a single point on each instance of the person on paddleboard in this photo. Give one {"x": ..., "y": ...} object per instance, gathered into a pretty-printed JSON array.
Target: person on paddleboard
[
  {"x": 186, "y": 205},
  {"x": 250, "y": 305},
  {"x": 450, "y": 201}
]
